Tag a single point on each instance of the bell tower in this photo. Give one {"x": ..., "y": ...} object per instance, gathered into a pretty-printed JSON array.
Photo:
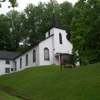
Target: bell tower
[{"x": 54, "y": 24}]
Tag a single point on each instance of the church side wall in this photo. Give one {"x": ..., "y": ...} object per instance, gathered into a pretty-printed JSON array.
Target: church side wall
[
  {"x": 3, "y": 65},
  {"x": 30, "y": 59},
  {"x": 46, "y": 44}
]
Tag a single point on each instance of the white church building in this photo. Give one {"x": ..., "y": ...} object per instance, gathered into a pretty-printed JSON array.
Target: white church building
[{"x": 46, "y": 52}]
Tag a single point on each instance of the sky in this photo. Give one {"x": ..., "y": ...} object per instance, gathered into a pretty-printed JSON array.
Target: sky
[{"x": 23, "y": 3}]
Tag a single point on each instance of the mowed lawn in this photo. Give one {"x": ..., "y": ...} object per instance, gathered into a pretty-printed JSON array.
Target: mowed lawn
[
  {"x": 50, "y": 83},
  {"x": 5, "y": 96}
]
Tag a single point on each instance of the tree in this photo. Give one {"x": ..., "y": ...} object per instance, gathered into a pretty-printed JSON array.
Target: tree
[
  {"x": 85, "y": 33},
  {"x": 38, "y": 18},
  {"x": 30, "y": 25},
  {"x": 37, "y": 21},
  {"x": 16, "y": 34},
  {"x": 5, "y": 41},
  {"x": 12, "y": 2},
  {"x": 66, "y": 15}
]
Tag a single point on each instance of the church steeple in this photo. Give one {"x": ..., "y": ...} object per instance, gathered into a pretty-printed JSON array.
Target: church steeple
[
  {"x": 54, "y": 25},
  {"x": 54, "y": 22}
]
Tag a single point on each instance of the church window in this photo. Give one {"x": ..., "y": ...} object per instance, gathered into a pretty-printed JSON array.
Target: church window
[
  {"x": 49, "y": 33},
  {"x": 20, "y": 63},
  {"x": 60, "y": 38},
  {"x": 34, "y": 56},
  {"x": 27, "y": 60},
  {"x": 46, "y": 54},
  {"x": 7, "y": 70},
  {"x": 8, "y": 62},
  {"x": 12, "y": 69}
]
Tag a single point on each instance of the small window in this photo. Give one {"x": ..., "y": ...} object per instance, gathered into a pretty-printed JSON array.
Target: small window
[
  {"x": 27, "y": 60},
  {"x": 20, "y": 63},
  {"x": 12, "y": 69},
  {"x": 49, "y": 33},
  {"x": 46, "y": 54},
  {"x": 8, "y": 62},
  {"x": 7, "y": 70},
  {"x": 34, "y": 56},
  {"x": 60, "y": 38}
]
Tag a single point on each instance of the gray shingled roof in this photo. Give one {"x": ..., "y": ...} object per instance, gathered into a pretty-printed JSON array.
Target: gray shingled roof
[{"x": 8, "y": 55}]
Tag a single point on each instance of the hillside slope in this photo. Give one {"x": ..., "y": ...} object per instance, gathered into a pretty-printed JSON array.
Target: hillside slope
[
  {"x": 5, "y": 96},
  {"x": 50, "y": 83}
]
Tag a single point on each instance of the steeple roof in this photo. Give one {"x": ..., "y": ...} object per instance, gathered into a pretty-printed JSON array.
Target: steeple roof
[{"x": 54, "y": 22}]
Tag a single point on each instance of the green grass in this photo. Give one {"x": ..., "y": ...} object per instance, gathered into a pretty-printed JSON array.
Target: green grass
[
  {"x": 50, "y": 83},
  {"x": 5, "y": 96}
]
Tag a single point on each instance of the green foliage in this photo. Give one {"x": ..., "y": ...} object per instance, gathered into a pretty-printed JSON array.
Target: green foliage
[
  {"x": 85, "y": 33},
  {"x": 66, "y": 15},
  {"x": 12, "y": 2},
  {"x": 16, "y": 34},
  {"x": 50, "y": 83},
  {"x": 30, "y": 25},
  {"x": 39, "y": 18},
  {"x": 4, "y": 33}
]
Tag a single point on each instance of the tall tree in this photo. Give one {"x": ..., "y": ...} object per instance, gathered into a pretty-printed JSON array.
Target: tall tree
[
  {"x": 16, "y": 34},
  {"x": 85, "y": 34},
  {"x": 30, "y": 25},
  {"x": 4, "y": 33},
  {"x": 12, "y": 2},
  {"x": 66, "y": 15},
  {"x": 39, "y": 18}
]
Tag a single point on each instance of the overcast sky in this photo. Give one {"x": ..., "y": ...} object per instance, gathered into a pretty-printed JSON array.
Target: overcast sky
[{"x": 23, "y": 4}]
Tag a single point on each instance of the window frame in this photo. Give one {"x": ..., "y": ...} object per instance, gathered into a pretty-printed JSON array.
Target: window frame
[
  {"x": 7, "y": 62},
  {"x": 26, "y": 59},
  {"x": 49, "y": 33},
  {"x": 60, "y": 38},
  {"x": 7, "y": 70},
  {"x": 20, "y": 63},
  {"x": 34, "y": 56},
  {"x": 46, "y": 56},
  {"x": 12, "y": 69}
]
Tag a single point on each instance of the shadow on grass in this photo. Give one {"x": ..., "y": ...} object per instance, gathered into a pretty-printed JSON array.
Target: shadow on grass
[{"x": 12, "y": 92}]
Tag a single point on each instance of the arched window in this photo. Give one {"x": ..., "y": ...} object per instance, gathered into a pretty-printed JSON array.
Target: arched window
[
  {"x": 34, "y": 56},
  {"x": 46, "y": 54},
  {"x": 20, "y": 63},
  {"x": 60, "y": 38},
  {"x": 27, "y": 60}
]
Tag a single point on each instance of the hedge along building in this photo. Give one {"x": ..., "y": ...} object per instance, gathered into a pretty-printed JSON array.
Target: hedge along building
[{"x": 45, "y": 52}]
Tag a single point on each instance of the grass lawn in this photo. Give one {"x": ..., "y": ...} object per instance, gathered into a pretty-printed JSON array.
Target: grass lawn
[
  {"x": 5, "y": 96},
  {"x": 50, "y": 83}
]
